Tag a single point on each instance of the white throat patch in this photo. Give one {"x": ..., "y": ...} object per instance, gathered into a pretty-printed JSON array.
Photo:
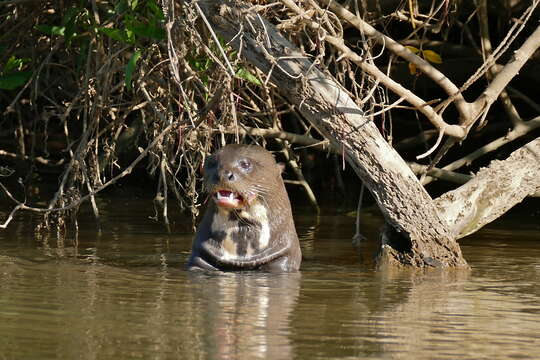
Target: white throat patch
[{"x": 228, "y": 225}]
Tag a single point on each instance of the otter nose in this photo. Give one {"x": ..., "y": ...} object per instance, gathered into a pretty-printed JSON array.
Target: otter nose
[{"x": 228, "y": 175}]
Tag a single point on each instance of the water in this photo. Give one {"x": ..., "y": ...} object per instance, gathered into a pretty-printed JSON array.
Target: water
[{"x": 123, "y": 294}]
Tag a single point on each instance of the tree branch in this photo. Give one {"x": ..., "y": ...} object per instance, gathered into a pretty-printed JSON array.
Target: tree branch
[
  {"x": 446, "y": 84},
  {"x": 422, "y": 106},
  {"x": 492, "y": 191},
  {"x": 508, "y": 72},
  {"x": 418, "y": 236},
  {"x": 519, "y": 130}
]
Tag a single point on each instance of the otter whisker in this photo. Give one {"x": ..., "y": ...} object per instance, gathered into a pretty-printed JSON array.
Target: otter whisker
[
  {"x": 249, "y": 213},
  {"x": 241, "y": 219}
]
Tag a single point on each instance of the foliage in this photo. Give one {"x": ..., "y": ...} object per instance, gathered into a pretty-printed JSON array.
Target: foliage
[
  {"x": 96, "y": 90},
  {"x": 12, "y": 75},
  {"x": 429, "y": 55}
]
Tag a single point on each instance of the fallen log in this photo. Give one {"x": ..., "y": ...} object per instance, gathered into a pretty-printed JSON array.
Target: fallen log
[
  {"x": 492, "y": 191},
  {"x": 416, "y": 235}
]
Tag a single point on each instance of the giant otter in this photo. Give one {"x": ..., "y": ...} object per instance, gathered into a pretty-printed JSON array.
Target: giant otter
[{"x": 248, "y": 225}]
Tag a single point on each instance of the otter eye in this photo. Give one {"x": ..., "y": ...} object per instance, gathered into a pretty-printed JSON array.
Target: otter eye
[{"x": 245, "y": 164}]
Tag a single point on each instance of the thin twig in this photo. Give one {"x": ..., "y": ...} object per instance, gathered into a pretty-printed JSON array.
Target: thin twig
[
  {"x": 519, "y": 131},
  {"x": 216, "y": 40},
  {"x": 433, "y": 148},
  {"x": 420, "y": 104},
  {"x": 95, "y": 191}
]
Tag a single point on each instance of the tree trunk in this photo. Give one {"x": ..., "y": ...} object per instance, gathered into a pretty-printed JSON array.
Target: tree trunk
[
  {"x": 416, "y": 235},
  {"x": 493, "y": 191}
]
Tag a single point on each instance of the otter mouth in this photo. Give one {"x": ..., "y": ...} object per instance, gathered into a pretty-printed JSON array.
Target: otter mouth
[{"x": 229, "y": 199}]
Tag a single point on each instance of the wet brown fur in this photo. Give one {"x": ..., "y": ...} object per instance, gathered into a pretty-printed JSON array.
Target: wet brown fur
[{"x": 258, "y": 236}]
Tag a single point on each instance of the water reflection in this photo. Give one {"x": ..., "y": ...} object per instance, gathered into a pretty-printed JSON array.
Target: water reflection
[
  {"x": 420, "y": 307},
  {"x": 123, "y": 294},
  {"x": 246, "y": 315},
  {"x": 103, "y": 311}
]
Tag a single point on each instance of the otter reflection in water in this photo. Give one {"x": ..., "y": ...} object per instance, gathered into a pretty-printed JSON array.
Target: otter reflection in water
[{"x": 248, "y": 225}]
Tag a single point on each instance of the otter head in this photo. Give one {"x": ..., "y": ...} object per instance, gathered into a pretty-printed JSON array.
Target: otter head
[{"x": 236, "y": 176}]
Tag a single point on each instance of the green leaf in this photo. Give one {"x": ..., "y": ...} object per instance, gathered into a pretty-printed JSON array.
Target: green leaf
[
  {"x": 70, "y": 15},
  {"x": 200, "y": 64},
  {"x": 82, "y": 57},
  {"x": 155, "y": 9},
  {"x": 14, "y": 80},
  {"x": 72, "y": 20},
  {"x": 116, "y": 34},
  {"x": 133, "y": 4},
  {"x": 130, "y": 67},
  {"x": 130, "y": 36},
  {"x": 242, "y": 73},
  {"x": 12, "y": 64},
  {"x": 154, "y": 32},
  {"x": 51, "y": 30},
  {"x": 121, "y": 7}
]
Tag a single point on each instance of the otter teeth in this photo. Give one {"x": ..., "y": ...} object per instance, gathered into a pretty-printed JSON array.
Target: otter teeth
[
  {"x": 228, "y": 198},
  {"x": 224, "y": 194}
]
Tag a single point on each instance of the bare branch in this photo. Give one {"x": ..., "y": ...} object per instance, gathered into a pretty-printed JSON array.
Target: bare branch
[
  {"x": 446, "y": 84},
  {"x": 90, "y": 194},
  {"x": 520, "y": 130},
  {"x": 38, "y": 159},
  {"x": 216, "y": 40},
  {"x": 485, "y": 41},
  {"x": 422, "y": 106},
  {"x": 508, "y": 72},
  {"x": 442, "y": 174},
  {"x": 493, "y": 191}
]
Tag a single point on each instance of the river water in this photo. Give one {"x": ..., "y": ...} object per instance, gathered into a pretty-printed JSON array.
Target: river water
[{"x": 122, "y": 293}]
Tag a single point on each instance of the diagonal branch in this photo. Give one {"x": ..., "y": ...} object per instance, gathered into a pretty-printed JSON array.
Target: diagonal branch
[
  {"x": 417, "y": 235},
  {"x": 492, "y": 191},
  {"x": 420, "y": 104},
  {"x": 508, "y": 72},
  {"x": 446, "y": 84}
]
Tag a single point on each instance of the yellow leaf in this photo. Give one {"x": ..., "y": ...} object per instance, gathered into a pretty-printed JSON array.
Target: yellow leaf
[
  {"x": 432, "y": 56},
  {"x": 412, "y": 69},
  {"x": 413, "y": 49}
]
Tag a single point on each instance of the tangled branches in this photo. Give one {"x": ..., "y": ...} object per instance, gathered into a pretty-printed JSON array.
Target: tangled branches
[{"x": 96, "y": 92}]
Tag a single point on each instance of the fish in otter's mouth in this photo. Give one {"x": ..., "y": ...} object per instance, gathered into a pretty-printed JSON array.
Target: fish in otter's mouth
[{"x": 232, "y": 199}]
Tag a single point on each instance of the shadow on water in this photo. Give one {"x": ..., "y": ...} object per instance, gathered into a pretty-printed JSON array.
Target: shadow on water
[{"x": 122, "y": 293}]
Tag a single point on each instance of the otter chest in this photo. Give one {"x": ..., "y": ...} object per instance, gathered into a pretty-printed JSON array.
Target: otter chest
[{"x": 241, "y": 233}]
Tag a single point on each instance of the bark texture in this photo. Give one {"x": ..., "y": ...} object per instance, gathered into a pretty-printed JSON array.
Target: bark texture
[
  {"x": 416, "y": 235},
  {"x": 492, "y": 191}
]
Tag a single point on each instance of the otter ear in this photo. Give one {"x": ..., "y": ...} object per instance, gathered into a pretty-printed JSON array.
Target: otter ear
[{"x": 281, "y": 166}]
